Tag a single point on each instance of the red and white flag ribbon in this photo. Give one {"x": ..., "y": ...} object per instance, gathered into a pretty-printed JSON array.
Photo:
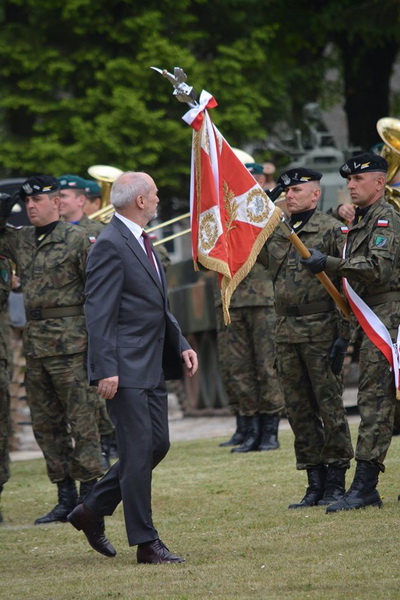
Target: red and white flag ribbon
[
  {"x": 376, "y": 331},
  {"x": 231, "y": 215},
  {"x": 195, "y": 116}
]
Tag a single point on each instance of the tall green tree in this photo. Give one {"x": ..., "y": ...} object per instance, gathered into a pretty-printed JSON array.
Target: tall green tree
[{"x": 76, "y": 86}]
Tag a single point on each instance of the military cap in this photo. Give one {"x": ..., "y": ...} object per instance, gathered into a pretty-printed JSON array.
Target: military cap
[
  {"x": 39, "y": 184},
  {"x": 71, "y": 182},
  {"x": 92, "y": 187},
  {"x": 297, "y": 176},
  {"x": 364, "y": 163},
  {"x": 254, "y": 168}
]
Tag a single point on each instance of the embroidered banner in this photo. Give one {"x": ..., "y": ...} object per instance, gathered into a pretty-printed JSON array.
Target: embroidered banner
[{"x": 231, "y": 215}]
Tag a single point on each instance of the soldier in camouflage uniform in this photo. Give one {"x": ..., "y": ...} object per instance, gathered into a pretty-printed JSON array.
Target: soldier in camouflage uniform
[
  {"x": 310, "y": 343},
  {"x": 5, "y": 424},
  {"x": 93, "y": 197},
  {"x": 50, "y": 259},
  {"x": 73, "y": 191},
  {"x": 246, "y": 352},
  {"x": 372, "y": 266}
]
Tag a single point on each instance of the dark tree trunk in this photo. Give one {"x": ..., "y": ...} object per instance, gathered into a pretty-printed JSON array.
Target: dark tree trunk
[{"x": 367, "y": 72}]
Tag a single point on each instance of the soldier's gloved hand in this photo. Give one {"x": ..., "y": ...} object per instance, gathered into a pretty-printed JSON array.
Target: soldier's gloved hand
[
  {"x": 316, "y": 262},
  {"x": 7, "y": 202},
  {"x": 337, "y": 354}
]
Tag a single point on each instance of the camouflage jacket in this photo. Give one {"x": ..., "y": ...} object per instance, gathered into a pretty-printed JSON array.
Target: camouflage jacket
[
  {"x": 5, "y": 288},
  {"x": 52, "y": 275},
  {"x": 256, "y": 289},
  {"x": 93, "y": 228},
  {"x": 372, "y": 259},
  {"x": 294, "y": 285}
]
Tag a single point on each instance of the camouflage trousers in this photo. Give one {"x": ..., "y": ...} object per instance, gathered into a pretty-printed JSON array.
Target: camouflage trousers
[
  {"x": 5, "y": 423},
  {"x": 314, "y": 405},
  {"x": 246, "y": 351},
  {"x": 376, "y": 404},
  {"x": 64, "y": 416}
]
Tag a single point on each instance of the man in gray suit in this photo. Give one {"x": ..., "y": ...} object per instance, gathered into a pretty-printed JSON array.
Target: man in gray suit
[{"x": 134, "y": 344}]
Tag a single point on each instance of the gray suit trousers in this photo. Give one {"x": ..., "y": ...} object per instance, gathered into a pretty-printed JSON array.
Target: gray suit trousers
[{"x": 140, "y": 418}]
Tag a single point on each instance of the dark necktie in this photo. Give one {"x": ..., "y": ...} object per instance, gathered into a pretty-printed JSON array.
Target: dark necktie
[{"x": 148, "y": 248}]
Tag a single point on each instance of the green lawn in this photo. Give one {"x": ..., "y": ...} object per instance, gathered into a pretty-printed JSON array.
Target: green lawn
[{"x": 227, "y": 514}]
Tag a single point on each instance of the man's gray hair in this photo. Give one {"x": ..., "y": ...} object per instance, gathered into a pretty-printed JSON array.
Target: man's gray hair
[{"x": 127, "y": 188}]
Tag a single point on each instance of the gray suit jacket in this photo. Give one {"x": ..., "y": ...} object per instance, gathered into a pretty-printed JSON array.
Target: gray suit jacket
[{"x": 132, "y": 333}]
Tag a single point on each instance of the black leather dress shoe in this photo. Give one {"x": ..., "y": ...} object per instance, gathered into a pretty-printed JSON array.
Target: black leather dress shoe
[
  {"x": 155, "y": 553},
  {"x": 92, "y": 525}
]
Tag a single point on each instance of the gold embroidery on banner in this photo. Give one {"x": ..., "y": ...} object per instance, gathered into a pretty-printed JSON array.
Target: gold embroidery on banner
[
  {"x": 208, "y": 231},
  {"x": 231, "y": 207},
  {"x": 257, "y": 209}
]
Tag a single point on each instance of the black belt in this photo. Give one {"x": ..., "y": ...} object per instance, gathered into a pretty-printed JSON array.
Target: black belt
[
  {"x": 298, "y": 310},
  {"x": 382, "y": 298},
  {"x": 36, "y": 314}
]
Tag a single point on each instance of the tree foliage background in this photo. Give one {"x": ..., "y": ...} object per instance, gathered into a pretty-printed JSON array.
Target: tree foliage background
[{"x": 76, "y": 87}]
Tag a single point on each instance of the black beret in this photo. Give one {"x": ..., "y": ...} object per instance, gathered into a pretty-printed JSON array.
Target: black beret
[
  {"x": 39, "y": 184},
  {"x": 364, "y": 163},
  {"x": 299, "y": 175}
]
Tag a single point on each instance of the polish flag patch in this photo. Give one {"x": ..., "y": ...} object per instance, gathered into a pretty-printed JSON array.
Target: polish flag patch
[
  {"x": 382, "y": 223},
  {"x": 344, "y": 229}
]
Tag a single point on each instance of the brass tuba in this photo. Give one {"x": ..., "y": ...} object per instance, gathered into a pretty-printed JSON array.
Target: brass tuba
[
  {"x": 105, "y": 175},
  {"x": 389, "y": 131}
]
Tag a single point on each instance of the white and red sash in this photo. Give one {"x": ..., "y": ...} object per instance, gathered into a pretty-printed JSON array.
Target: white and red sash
[{"x": 375, "y": 330}]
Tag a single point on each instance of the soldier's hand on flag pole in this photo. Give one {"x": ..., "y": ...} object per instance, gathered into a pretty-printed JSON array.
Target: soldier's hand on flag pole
[{"x": 316, "y": 263}]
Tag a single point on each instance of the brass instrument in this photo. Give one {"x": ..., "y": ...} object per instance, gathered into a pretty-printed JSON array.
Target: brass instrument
[
  {"x": 106, "y": 176},
  {"x": 173, "y": 235},
  {"x": 389, "y": 131}
]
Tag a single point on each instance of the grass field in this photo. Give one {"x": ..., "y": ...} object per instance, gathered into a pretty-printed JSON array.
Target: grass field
[{"x": 227, "y": 514}]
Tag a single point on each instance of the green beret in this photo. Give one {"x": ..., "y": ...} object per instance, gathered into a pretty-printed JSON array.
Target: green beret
[
  {"x": 71, "y": 182},
  {"x": 254, "y": 168},
  {"x": 92, "y": 187}
]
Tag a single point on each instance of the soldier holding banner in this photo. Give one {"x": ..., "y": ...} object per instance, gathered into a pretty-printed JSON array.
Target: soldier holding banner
[
  {"x": 310, "y": 343},
  {"x": 371, "y": 268}
]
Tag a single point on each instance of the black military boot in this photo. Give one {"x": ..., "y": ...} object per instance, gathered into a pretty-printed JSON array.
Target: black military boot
[
  {"x": 1, "y": 516},
  {"x": 252, "y": 435},
  {"x": 334, "y": 485},
  {"x": 316, "y": 484},
  {"x": 362, "y": 491},
  {"x": 238, "y": 436},
  {"x": 84, "y": 488},
  {"x": 105, "y": 443},
  {"x": 67, "y": 500},
  {"x": 269, "y": 432}
]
